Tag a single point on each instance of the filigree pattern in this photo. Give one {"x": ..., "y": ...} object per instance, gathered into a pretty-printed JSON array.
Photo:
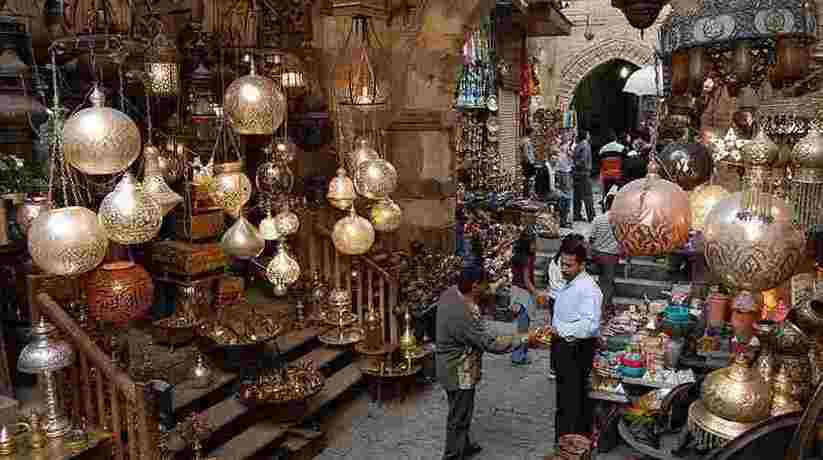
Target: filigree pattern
[
  {"x": 231, "y": 191},
  {"x": 375, "y": 179},
  {"x": 101, "y": 140},
  {"x": 119, "y": 293},
  {"x": 67, "y": 241},
  {"x": 128, "y": 214},
  {"x": 254, "y": 105}
]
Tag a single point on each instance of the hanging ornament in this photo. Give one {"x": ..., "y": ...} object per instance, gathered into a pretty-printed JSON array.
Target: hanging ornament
[
  {"x": 67, "y": 241},
  {"x": 375, "y": 179},
  {"x": 254, "y": 104},
  {"x": 128, "y": 214},
  {"x": 286, "y": 222},
  {"x": 100, "y": 140},
  {"x": 353, "y": 235},
  {"x": 268, "y": 228},
  {"x": 702, "y": 199},
  {"x": 341, "y": 192},
  {"x": 686, "y": 164},
  {"x": 274, "y": 178},
  {"x": 641, "y": 14},
  {"x": 242, "y": 240},
  {"x": 363, "y": 151},
  {"x": 650, "y": 216},
  {"x": 170, "y": 162},
  {"x": 231, "y": 188},
  {"x": 361, "y": 73},
  {"x": 283, "y": 270},
  {"x": 162, "y": 70},
  {"x": 386, "y": 215},
  {"x": 29, "y": 210},
  {"x": 154, "y": 184}
]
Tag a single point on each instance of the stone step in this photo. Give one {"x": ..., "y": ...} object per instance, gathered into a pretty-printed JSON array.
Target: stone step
[{"x": 265, "y": 433}]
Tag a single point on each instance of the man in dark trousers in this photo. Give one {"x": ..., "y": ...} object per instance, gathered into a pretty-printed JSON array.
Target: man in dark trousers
[
  {"x": 461, "y": 340},
  {"x": 582, "y": 177},
  {"x": 576, "y": 324}
]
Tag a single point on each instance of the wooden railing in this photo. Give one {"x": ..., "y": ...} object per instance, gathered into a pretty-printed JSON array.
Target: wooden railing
[
  {"x": 96, "y": 390},
  {"x": 372, "y": 287}
]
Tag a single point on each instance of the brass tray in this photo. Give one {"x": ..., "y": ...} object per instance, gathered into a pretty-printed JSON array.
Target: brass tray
[
  {"x": 239, "y": 326},
  {"x": 302, "y": 383},
  {"x": 398, "y": 371},
  {"x": 173, "y": 331},
  {"x": 336, "y": 337},
  {"x": 349, "y": 318}
]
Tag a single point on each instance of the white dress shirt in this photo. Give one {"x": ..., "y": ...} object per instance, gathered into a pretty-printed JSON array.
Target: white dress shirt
[
  {"x": 556, "y": 280},
  {"x": 577, "y": 308}
]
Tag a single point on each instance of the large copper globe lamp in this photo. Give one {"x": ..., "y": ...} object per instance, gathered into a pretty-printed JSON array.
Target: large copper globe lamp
[
  {"x": 254, "y": 104},
  {"x": 748, "y": 251},
  {"x": 651, "y": 216},
  {"x": 67, "y": 241},
  {"x": 100, "y": 140}
]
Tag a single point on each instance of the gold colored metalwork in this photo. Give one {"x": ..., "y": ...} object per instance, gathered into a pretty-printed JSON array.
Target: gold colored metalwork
[
  {"x": 242, "y": 240},
  {"x": 283, "y": 270},
  {"x": 128, "y": 214},
  {"x": 386, "y": 215},
  {"x": 279, "y": 386},
  {"x": 231, "y": 188},
  {"x": 737, "y": 393},
  {"x": 353, "y": 235},
  {"x": 162, "y": 70},
  {"x": 341, "y": 192},
  {"x": 702, "y": 200},
  {"x": 254, "y": 104},
  {"x": 67, "y": 241},
  {"x": 375, "y": 179}
]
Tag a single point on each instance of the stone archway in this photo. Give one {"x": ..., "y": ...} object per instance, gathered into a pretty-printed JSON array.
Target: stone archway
[{"x": 585, "y": 61}]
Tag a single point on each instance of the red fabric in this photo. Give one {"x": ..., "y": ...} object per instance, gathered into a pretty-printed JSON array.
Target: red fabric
[{"x": 611, "y": 167}]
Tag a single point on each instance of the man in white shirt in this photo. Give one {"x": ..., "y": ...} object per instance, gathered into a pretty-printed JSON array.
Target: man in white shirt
[{"x": 576, "y": 323}]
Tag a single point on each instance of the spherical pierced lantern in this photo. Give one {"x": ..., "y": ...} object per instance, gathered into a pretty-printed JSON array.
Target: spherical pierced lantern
[
  {"x": 386, "y": 215},
  {"x": 128, "y": 214},
  {"x": 748, "y": 251},
  {"x": 274, "y": 178},
  {"x": 268, "y": 228},
  {"x": 100, "y": 140},
  {"x": 363, "y": 151},
  {"x": 119, "y": 293},
  {"x": 702, "y": 199},
  {"x": 231, "y": 188},
  {"x": 287, "y": 223},
  {"x": 254, "y": 105},
  {"x": 375, "y": 179},
  {"x": 162, "y": 71},
  {"x": 67, "y": 241},
  {"x": 353, "y": 235},
  {"x": 650, "y": 216},
  {"x": 242, "y": 240},
  {"x": 284, "y": 150},
  {"x": 686, "y": 164},
  {"x": 283, "y": 270},
  {"x": 341, "y": 192}
]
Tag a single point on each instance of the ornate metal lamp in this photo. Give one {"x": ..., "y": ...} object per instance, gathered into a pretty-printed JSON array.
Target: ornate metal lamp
[
  {"x": 806, "y": 189},
  {"x": 242, "y": 240},
  {"x": 353, "y": 235},
  {"x": 341, "y": 192},
  {"x": 67, "y": 241},
  {"x": 254, "y": 104},
  {"x": 361, "y": 78},
  {"x": 128, "y": 214},
  {"x": 640, "y": 13},
  {"x": 283, "y": 270},
  {"x": 45, "y": 356},
  {"x": 162, "y": 70}
]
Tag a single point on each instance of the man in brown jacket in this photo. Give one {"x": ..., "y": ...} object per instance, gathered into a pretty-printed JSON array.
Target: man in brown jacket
[{"x": 461, "y": 340}]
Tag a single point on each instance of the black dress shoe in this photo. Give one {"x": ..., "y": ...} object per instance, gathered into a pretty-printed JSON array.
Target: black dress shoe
[{"x": 472, "y": 449}]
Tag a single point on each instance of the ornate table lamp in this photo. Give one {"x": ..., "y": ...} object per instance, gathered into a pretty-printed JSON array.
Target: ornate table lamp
[{"x": 46, "y": 355}]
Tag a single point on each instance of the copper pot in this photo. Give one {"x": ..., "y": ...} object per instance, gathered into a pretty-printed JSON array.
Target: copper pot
[
  {"x": 680, "y": 73},
  {"x": 119, "y": 293},
  {"x": 718, "y": 306}
]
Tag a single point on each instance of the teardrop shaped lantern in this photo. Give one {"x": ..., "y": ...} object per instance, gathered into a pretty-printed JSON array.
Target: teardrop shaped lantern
[
  {"x": 375, "y": 179},
  {"x": 286, "y": 222},
  {"x": 67, "y": 241},
  {"x": 363, "y": 151},
  {"x": 386, "y": 215},
  {"x": 341, "y": 192},
  {"x": 268, "y": 228},
  {"x": 100, "y": 140},
  {"x": 128, "y": 214},
  {"x": 242, "y": 240},
  {"x": 254, "y": 105},
  {"x": 353, "y": 235},
  {"x": 274, "y": 178},
  {"x": 231, "y": 188},
  {"x": 283, "y": 270},
  {"x": 154, "y": 184},
  {"x": 651, "y": 216}
]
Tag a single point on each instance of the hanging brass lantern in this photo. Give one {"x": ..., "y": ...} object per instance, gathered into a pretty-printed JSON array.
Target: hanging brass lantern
[
  {"x": 361, "y": 73},
  {"x": 254, "y": 104},
  {"x": 386, "y": 215},
  {"x": 289, "y": 70},
  {"x": 641, "y": 14},
  {"x": 283, "y": 270},
  {"x": 363, "y": 151},
  {"x": 286, "y": 222},
  {"x": 274, "y": 178},
  {"x": 806, "y": 189},
  {"x": 242, "y": 240},
  {"x": 171, "y": 159},
  {"x": 67, "y": 241},
  {"x": 154, "y": 184},
  {"x": 650, "y": 216},
  {"x": 284, "y": 150},
  {"x": 268, "y": 228},
  {"x": 162, "y": 71},
  {"x": 128, "y": 214},
  {"x": 100, "y": 140},
  {"x": 686, "y": 164},
  {"x": 29, "y": 210},
  {"x": 341, "y": 192},
  {"x": 231, "y": 188},
  {"x": 353, "y": 235},
  {"x": 702, "y": 200},
  {"x": 375, "y": 179}
]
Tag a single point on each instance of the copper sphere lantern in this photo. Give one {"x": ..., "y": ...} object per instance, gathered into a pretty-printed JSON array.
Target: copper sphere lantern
[
  {"x": 686, "y": 164},
  {"x": 641, "y": 14}
]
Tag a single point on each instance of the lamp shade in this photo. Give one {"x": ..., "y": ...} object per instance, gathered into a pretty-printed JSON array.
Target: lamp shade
[
  {"x": 119, "y": 293},
  {"x": 341, "y": 192},
  {"x": 702, "y": 200},
  {"x": 231, "y": 188},
  {"x": 375, "y": 179},
  {"x": 128, "y": 214},
  {"x": 283, "y": 270},
  {"x": 353, "y": 235},
  {"x": 386, "y": 216},
  {"x": 45, "y": 353},
  {"x": 242, "y": 240},
  {"x": 254, "y": 105},
  {"x": 67, "y": 241}
]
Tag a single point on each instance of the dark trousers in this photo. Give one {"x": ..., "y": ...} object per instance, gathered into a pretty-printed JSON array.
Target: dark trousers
[
  {"x": 608, "y": 182},
  {"x": 607, "y": 269},
  {"x": 573, "y": 362},
  {"x": 461, "y": 410},
  {"x": 583, "y": 197}
]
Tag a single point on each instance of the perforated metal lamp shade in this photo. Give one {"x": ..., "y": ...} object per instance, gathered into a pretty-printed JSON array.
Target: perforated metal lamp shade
[{"x": 45, "y": 354}]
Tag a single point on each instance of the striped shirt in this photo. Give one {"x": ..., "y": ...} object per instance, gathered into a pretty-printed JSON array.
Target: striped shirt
[{"x": 602, "y": 236}]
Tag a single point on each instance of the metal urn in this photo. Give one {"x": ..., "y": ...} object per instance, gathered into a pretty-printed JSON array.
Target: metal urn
[{"x": 44, "y": 356}]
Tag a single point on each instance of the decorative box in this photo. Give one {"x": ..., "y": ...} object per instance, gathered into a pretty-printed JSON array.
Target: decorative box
[
  {"x": 229, "y": 290},
  {"x": 188, "y": 259},
  {"x": 202, "y": 224}
]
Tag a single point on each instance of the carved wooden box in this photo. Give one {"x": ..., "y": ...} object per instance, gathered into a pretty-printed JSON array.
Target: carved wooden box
[
  {"x": 203, "y": 224},
  {"x": 188, "y": 259}
]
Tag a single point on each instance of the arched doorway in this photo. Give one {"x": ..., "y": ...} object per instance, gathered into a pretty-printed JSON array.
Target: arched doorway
[{"x": 601, "y": 104}]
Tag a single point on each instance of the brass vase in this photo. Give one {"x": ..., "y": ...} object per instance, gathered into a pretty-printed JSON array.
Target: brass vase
[{"x": 374, "y": 330}]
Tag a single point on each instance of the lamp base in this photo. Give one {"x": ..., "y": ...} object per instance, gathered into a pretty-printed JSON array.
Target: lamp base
[{"x": 58, "y": 427}]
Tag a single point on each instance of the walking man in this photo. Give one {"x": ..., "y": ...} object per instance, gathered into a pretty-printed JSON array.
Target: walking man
[
  {"x": 605, "y": 250},
  {"x": 527, "y": 161},
  {"x": 582, "y": 177},
  {"x": 576, "y": 323},
  {"x": 461, "y": 340}
]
